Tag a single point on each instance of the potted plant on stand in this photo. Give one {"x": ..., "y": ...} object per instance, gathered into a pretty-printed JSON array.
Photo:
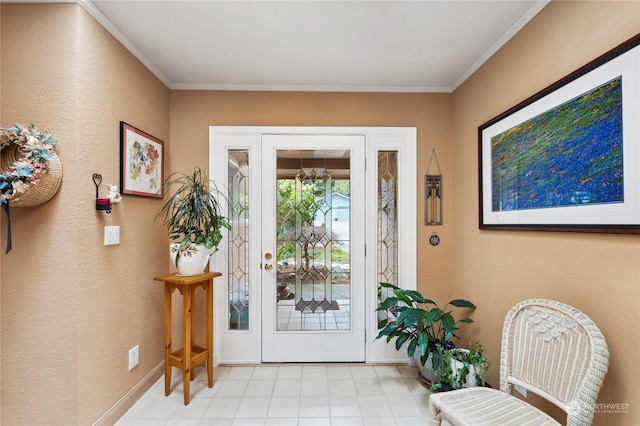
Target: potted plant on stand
[
  {"x": 193, "y": 217},
  {"x": 419, "y": 322}
]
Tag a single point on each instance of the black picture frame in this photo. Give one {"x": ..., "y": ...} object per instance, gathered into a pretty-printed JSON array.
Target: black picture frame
[{"x": 568, "y": 158}]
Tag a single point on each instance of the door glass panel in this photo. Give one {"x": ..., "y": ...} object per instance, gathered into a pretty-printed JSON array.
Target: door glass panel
[
  {"x": 387, "y": 219},
  {"x": 312, "y": 240},
  {"x": 238, "y": 241}
]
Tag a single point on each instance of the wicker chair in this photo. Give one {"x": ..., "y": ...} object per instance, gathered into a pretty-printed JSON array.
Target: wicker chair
[{"x": 548, "y": 348}]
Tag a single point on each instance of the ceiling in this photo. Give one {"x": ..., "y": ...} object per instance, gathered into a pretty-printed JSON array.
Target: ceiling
[{"x": 392, "y": 46}]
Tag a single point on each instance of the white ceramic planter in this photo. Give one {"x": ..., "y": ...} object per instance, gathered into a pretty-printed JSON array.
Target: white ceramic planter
[
  {"x": 189, "y": 262},
  {"x": 470, "y": 380},
  {"x": 426, "y": 370}
]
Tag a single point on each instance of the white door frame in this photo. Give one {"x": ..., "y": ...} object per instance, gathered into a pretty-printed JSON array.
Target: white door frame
[{"x": 244, "y": 347}]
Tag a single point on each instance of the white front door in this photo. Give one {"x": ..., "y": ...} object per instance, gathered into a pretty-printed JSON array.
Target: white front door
[{"x": 315, "y": 227}]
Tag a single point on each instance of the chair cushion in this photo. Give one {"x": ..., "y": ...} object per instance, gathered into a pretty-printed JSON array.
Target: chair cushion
[{"x": 485, "y": 406}]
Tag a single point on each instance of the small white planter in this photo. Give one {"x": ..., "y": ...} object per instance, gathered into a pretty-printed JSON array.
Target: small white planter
[
  {"x": 470, "y": 379},
  {"x": 191, "y": 261}
]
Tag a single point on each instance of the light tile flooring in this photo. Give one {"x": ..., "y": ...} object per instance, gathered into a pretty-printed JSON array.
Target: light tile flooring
[
  {"x": 289, "y": 318},
  {"x": 284, "y": 395}
]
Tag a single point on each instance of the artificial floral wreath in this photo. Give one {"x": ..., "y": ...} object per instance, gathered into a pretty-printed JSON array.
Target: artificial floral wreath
[{"x": 34, "y": 148}]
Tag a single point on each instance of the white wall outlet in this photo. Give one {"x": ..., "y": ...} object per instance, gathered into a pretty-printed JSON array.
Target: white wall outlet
[
  {"x": 522, "y": 391},
  {"x": 111, "y": 235},
  {"x": 134, "y": 356}
]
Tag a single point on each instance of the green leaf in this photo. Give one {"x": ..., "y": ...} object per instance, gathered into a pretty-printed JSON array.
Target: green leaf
[
  {"x": 401, "y": 341},
  {"x": 460, "y": 303},
  {"x": 387, "y": 330},
  {"x": 434, "y": 315},
  {"x": 412, "y": 347},
  {"x": 423, "y": 342},
  {"x": 414, "y": 296},
  {"x": 410, "y": 316},
  {"x": 387, "y": 285},
  {"x": 401, "y": 294},
  {"x": 387, "y": 303},
  {"x": 448, "y": 325}
]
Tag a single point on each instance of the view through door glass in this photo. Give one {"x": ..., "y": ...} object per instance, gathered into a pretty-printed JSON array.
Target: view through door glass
[{"x": 312, "y": 240}]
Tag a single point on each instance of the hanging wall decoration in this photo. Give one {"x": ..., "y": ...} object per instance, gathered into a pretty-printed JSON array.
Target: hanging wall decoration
[
  {"x": 30, "y": 170},
  {"x": 141, "y": 162},
  {"x": 567, "y": 158},
  {"x": 433, "y": 194}
]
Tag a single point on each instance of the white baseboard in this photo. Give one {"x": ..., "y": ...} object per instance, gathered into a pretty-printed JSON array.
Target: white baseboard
[{"x": 130, "y": 398}]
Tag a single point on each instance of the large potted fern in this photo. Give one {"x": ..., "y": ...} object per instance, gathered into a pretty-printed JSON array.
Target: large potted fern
[
  {"x": 410, "y": 318},
  {"x": 193, "y": 217}
]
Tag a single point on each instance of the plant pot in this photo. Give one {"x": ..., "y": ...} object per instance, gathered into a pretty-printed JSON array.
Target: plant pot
[
  {"x": 190, "y": 260},
  {"x": 470, "y": 379},
  {"x": 426, "y": 370}
]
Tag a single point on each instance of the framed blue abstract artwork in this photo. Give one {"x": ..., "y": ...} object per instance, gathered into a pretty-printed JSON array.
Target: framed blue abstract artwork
[{"x": 568, "y": 158}]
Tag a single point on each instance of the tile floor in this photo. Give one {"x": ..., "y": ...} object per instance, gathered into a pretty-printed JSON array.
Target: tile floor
[
  {"x": 291, "y": 319},
  {"x": 283, "y": 395}
]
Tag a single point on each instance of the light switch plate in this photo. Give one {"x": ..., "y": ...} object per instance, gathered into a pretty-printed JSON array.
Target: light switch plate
[
  {"x": 111, "y": 235},
  {"x": 134, "y": 357}
]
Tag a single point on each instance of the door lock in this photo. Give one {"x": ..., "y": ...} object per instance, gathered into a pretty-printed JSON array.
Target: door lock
[{"x": 268, "y": 266}]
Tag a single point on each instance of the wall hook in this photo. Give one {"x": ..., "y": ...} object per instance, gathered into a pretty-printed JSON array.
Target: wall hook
[{"x": 103, "y": 204}]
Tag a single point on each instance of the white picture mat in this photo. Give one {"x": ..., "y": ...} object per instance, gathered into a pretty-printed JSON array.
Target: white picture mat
[
  {"x": 143, "y": 183},
  {"x": 626, "y": 65}
]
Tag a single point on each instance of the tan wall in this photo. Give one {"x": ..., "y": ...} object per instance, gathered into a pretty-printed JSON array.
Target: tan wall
[
  {"x": 72, "y": 307},
  {"x": 193, "y": 111},
  {"x": 599, "y": 274}
]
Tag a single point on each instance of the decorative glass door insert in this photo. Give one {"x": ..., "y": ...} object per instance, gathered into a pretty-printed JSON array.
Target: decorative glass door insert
[
  {"x": 387, "y": 236},
  {"x": 238, "y": 270},
  {"x": 313, "y": 273},
  {"x": 312, "y": 240}
]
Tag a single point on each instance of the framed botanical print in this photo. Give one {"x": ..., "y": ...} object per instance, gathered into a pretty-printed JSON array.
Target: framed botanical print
[{"x": 141, "y": 162}]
